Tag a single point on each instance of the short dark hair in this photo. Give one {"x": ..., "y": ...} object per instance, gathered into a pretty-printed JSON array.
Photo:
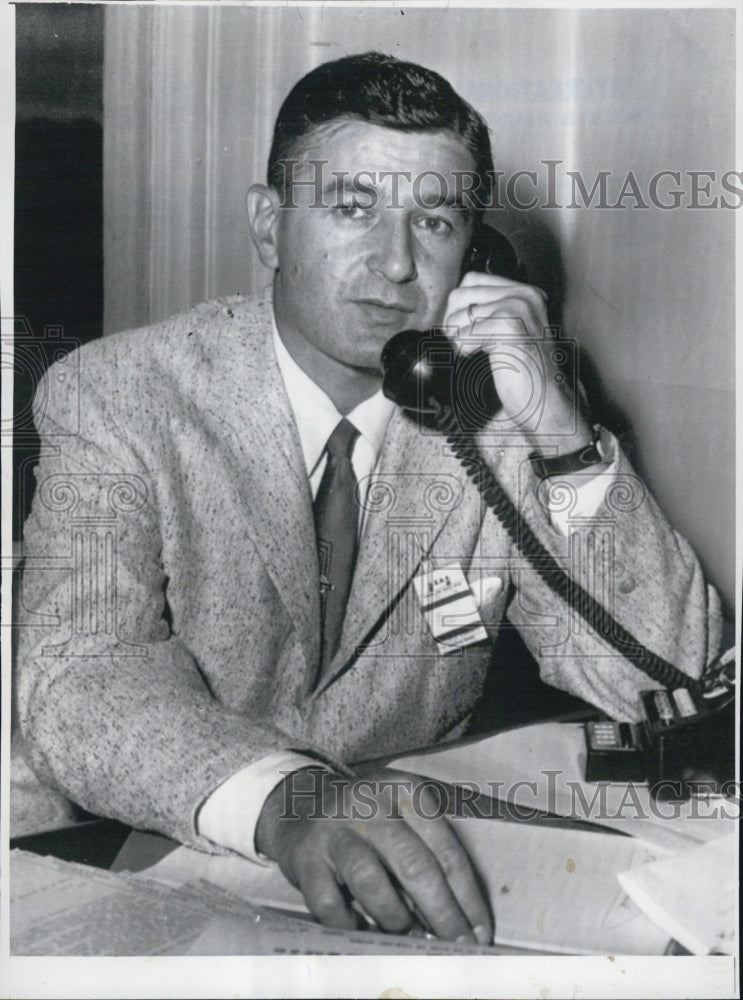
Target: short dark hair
[{"x": 381, "y": 90}]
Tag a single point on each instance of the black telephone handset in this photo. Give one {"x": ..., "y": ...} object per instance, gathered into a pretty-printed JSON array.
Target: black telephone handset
[
  {"x": 422, "y": 365},
  {"x": 424, "y": 375}
]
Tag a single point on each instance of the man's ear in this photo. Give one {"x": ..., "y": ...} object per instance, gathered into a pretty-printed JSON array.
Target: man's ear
[{"x": 263, "y": 214}]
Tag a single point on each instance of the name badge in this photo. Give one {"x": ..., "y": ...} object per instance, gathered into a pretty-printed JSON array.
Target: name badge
[{"x": 449, "y": 607}]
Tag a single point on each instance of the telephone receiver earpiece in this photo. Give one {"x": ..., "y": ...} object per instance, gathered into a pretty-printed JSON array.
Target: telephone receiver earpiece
[{"x": 492, "y": 253}]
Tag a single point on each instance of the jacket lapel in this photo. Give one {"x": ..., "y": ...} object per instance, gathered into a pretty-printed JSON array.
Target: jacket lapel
[
  {"x": 270, "y": 470},
  {"x": 416, "y": 489}
]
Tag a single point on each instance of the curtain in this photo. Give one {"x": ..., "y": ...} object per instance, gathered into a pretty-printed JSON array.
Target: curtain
[{"x": 190, "y": 95}]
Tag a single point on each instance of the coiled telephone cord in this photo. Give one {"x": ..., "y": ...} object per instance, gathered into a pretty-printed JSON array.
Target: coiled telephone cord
[{"x": 546, "y": 566}]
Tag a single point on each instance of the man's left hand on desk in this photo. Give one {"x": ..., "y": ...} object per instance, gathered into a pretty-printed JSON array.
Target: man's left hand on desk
[{"x": 372, "y": 836}]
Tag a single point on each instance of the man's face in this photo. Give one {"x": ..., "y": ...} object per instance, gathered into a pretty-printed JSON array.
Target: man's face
[{"x": 379, "y": 255}]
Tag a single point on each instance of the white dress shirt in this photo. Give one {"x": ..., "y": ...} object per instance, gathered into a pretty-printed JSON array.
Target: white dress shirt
[
  {"x": 230, "y": 815},
  {"x": 317, "y": 418}
]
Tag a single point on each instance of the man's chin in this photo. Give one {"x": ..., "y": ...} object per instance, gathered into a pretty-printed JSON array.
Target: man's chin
[
  {"x": 372, "y": 370},
  {"x": 370, "y": 362}
]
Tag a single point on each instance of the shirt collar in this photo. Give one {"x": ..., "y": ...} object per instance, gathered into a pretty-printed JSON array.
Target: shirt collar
[{"x": 316, "y": 415}]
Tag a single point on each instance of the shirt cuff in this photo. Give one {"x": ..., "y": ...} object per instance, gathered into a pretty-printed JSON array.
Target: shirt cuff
[
  {"x": 589, "y": 491},
  {"x": 230, "y": 815}
]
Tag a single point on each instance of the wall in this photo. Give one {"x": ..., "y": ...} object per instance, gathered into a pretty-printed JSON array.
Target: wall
[{"x": 189, "y": 100}]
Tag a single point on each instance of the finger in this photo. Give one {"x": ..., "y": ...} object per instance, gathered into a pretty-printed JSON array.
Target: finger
[
  {"x": 511, "y": 319},
  {"x": 497, "y": 284},
  {"x": 482, "y": 278},
  {"x": 423, "y": 879},
  {"x": 471, "y": 314},
  {"x": 460, "y": 299},
  {"x": 365, "y": 876},
  {"x": 516, "y": 311},
  {"x": 465, "y": 884},
  {"x": 322, "y": 894},
  {"x": 482, "y": 293}
]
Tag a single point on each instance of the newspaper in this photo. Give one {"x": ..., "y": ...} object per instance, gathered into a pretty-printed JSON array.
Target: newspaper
[
  {"x": 227, "y": 905},
  {"x": 62, "y": 908},
  {"x": 553, "y": 890}
]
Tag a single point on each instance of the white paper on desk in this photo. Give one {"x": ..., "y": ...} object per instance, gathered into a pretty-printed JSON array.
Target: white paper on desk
[
  {"x": 260, "y": 884},
  {"x": 551, "y": 889},
  {"x": 557, "y": 889},
  {"x": 692, "y": 896},
  {"x": 61, "y": 908},
  {"x": 273, "y": 935},
  {"x": 542, "y": 767}
]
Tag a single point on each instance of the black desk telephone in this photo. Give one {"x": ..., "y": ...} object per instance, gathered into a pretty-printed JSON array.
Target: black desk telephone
[{"x": 689, "y": 725}]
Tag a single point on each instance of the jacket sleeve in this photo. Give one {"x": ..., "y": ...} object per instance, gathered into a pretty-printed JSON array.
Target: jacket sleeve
[
  {"x": 635, "y": 565},
  {"x": 113, "y": 709}
]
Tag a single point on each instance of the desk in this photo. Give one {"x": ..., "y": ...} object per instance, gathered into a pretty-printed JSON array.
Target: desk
[{"x": 111, "y": 845}]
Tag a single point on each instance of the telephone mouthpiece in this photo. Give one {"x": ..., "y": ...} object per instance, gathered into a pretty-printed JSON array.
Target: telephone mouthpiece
[
  {"x": 424, "y": 372},
  {"x": 417, "y": 365}
]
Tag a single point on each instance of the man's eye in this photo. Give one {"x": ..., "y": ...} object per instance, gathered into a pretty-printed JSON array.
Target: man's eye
[
  {"x": 352, "y": 210},
  {"x": 435, "y": 224}
]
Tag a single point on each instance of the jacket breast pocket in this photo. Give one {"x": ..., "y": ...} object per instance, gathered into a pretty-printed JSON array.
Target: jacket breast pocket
[{"x": 461, "y": 607}]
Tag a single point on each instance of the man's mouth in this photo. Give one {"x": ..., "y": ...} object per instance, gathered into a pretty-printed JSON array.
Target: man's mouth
[{"x": 383, "y": 311}]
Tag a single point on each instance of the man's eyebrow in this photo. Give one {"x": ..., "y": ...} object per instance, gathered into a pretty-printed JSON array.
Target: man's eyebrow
[
  {"x": 361, "y": 182},
  {"x": 454, "y": 201},
  {"x": 364, "y": 181}
]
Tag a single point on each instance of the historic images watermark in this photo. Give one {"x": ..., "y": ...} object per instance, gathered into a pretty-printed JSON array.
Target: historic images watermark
[
  {"x": 551, "y": 186},
  {"x": 315, "y": 793}
]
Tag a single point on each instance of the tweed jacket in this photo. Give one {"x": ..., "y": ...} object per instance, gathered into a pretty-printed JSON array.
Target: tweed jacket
[{"x": 170, "y": 623}]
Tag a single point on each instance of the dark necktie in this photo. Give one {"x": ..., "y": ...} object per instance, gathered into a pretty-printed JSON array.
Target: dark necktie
[{"x": 336, "y": 519}]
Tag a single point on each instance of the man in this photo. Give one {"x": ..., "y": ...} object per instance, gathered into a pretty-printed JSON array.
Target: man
[{"x": 208, "y": 646}]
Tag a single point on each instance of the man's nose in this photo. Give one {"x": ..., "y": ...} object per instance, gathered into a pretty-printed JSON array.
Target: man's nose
[{"x": 393, "y": 255}]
